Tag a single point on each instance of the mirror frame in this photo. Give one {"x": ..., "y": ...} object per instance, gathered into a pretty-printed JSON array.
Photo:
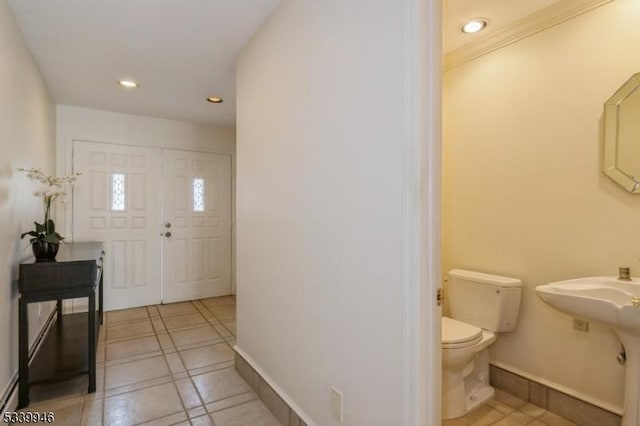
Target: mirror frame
[{"x": 611, "y": 130}]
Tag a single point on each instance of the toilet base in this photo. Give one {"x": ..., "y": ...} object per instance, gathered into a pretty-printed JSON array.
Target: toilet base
[
  {"x": 466, "y": 389},
  {"x": 477, "y": 388},
  {"x": 478, "y": 395}
]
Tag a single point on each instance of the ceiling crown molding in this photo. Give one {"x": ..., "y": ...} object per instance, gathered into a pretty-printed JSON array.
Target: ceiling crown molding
[{"x": 523, "y": 28}]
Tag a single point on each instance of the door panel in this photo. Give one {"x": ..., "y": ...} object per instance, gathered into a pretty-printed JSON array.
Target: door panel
[
  {"x": 117, "y": 201},
  {"x": 125, "y": 197},
  {"x": 197, "y": 207}
]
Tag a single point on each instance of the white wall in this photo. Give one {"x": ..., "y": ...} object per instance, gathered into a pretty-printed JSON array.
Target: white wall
[
  {"x": 319, "y": 207},
  {"x": 27, "y": 139},
  {"x": 114, "y": 127},
  {"x": 524, "y": 194}
]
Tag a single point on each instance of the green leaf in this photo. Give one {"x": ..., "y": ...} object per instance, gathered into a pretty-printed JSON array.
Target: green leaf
[
  {"x": 40, "y": 227},
  {"x": 53, "y": 238},
  {"x": 51, "y": 227},
  {"x": 32, "y": 233}
]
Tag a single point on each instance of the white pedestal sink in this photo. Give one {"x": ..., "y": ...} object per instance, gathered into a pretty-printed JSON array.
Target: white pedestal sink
[{"x": 615, "y": 303}]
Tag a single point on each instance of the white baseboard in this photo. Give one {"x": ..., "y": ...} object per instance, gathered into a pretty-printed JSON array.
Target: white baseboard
[{"x": 9, "y": 399}]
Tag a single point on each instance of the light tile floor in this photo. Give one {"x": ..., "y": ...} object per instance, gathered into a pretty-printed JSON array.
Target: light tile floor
[
  {"x": 507, "y": 410},
  {"x": 161, "y": 365},
  {"x": 173, "y": 365}
]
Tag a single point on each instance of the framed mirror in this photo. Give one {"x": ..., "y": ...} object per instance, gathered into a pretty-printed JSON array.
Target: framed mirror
[{"x": 622, "y": 136}]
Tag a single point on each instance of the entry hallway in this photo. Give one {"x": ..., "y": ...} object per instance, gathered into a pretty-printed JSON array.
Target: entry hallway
[{"x": 161, "y": 365}]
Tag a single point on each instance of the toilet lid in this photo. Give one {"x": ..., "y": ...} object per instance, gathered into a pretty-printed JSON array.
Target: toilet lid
[{"x": 457, "y": 333}]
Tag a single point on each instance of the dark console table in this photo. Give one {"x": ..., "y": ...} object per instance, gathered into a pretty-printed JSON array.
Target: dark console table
[{"x": 69, "y": 347}]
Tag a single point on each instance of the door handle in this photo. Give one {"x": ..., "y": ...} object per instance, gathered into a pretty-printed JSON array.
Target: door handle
[
  {"x": 167, "y": 234},
  {"x": 167, "y": 225}
]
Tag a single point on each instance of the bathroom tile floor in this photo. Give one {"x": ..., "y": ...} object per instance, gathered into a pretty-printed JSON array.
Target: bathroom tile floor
[
  {"x": 161, "y": 365},
  {"x": 505, "y": 409}
]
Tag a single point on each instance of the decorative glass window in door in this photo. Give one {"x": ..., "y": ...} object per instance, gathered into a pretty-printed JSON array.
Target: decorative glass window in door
[
  {"x": 118, "y": 192},
  {"x": 198, "y": 195}
]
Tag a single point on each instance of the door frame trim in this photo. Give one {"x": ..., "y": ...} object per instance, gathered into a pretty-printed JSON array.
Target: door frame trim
[
  {"x": 422, "y": 371},
  {"x": 64, "y": 166}
]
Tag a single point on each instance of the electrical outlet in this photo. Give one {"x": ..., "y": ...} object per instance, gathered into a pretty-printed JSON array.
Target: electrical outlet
[
  {"x": 581, "y": 324},
  {"x": 337, "y": 400}
]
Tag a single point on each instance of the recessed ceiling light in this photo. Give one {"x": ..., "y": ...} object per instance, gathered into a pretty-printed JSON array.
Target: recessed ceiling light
[
  {"x": 214, "y": 100},
  {"x": 473, "y": 25},
  {"x": 130, "y": 84}
]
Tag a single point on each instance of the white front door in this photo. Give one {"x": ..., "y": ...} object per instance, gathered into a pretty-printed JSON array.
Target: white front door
[
  {"x": 165, "y": 219},
  {"x": 196, "y": 247},
  {"x": 117, "y": 201}
]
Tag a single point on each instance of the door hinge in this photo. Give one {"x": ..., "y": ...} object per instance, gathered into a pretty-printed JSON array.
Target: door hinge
[{"x": 440, "y": 296}]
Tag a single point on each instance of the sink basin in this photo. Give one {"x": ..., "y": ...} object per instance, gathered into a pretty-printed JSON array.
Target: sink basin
[
  {"x": 613, "y": 302},
  {"x": 603, "y": 299}
]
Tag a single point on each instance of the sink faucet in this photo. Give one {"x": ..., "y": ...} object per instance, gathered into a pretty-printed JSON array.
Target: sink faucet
[{"x": 624, "y": 274}]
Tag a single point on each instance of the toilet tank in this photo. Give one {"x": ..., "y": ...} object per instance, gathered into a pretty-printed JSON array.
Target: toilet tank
[{"x": 490, "y": 302}]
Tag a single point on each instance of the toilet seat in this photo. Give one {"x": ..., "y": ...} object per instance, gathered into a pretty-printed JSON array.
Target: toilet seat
[{"x": 458, "y": 334}]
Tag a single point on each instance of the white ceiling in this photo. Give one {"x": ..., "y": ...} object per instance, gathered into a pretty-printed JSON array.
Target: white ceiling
[
  {"x": 180, "y": 51},
  {"x": 499, "y": 13}
]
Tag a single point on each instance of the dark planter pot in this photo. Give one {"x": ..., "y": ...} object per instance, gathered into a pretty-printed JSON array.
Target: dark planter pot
[{"x": 45, "y": 252}]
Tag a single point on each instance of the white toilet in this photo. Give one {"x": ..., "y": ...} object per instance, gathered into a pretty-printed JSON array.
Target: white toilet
[{"x": 481, "y": 305}]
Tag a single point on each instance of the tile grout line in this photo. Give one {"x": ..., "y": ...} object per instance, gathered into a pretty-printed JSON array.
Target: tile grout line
[
  {"x": 234, "y": 405},
  {"x": 102, "y": 396},
  {"x": 185, "y": 368},
  {"x": 105, "y": 397},
  {"x": 190, "y": 375},
  {"x": 171, "y": 376},
  {"x": 207, "y": 310}
]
